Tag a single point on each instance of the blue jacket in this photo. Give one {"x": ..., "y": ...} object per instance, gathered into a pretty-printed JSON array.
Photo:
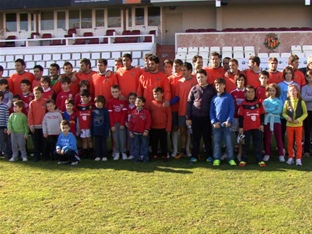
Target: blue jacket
[
  {"x": 100, "y": 122},
  {"x": 222, "y": 108},
  {"x": 67, "y": 142}
]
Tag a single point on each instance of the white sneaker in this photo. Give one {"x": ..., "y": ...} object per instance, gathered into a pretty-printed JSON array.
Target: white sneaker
[
  {"x": 124, "y": 156},
  {"x": 12, "y": 160},
  {"x": 298, "y": 162},
  {"x": 131, "y": 157},
  {"x": 266, "y": 158},
  {"x": 116, "y": 156},
  {"x": 97, "y": 159},
  {"x": 174, "y": 153},
  {"x": 281, "y": 158},
  {"x": 188, "y": 153},
  {"x": 25, "y": 159},
  {"x": 104, "y": 159},
  {"x": 74, "y": 163},
  {"x": 290, "y": 161}
]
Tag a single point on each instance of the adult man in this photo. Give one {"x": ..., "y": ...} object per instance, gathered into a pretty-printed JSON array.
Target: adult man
[
  {"x": 101, "y": 82},
  {"x": 152, "y": 79},
  {"x": 197, "y": 62},
  {"x": 16, "y": 78},
  {"x": 252, "y": 74},
  {"x": 215, "y": 70},
  {"x": 86, "y": 73},
  {"x": 275, "y": 76},
  {"x": 225, "y": 63},
  {"x": 38, "y": 72},
  {"x": 128, "y": 76},
  {"x": 230, "y": 75},
  {"x": 299, "y": 77}
]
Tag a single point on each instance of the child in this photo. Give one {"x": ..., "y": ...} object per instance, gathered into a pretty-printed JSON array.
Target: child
[
  {"x": 161, "y": 120},
  {"x": 8, "y": 96},
  {"x": 50, "y": 128},
  {"x": 37, "y": 110},
  {"x": 4, "y": 116},
  {"x": 272, "y": 122},
  {"x": 15, "y": 98},
  {"x": 66, "y": 147},
  {"x": 306, "y": 94},
  {"x": 131, "y": 106},
  {"x": 294, "y": 111},
  {"x": 66, "y": 93},
  {"x": 26, "y": 96},
  {"x": 197, "y": 115},
  {"x": 100, "y": 128},
  {"x": 18, "y": 129},
  {"x": 251, "y": 115},
  {"x": 139, "y": 126},
  {"x": 83, "y": 84},
  {"x": 84, "y": 111},
  {"x": 48, "y": 93},
  {"x": 71, "y": 116},
  {"x": 117, "y": 110},
  {"x": 261, "y": 90},
  {"x": 238, "y": 97},
  {"x": 222, "y": 113}
]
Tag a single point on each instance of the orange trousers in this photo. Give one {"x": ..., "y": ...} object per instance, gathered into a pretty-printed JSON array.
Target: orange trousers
[{"x": 294, "y": 133}]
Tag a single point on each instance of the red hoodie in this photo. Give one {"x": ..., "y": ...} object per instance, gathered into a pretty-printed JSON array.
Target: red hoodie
[{"x": 140, "y": 121}]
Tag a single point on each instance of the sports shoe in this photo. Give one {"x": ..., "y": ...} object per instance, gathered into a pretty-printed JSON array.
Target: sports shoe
[
  {"x": 216, "y": 162},
  {"x": 290, "y": 161},
  {"x": 97, "y": 159},
  {"x": 124, "y": 156},
  {"x": 174, "y": 153},
  {"x": 298, "y": 162},
  {"x": 242, "y": 164},
  {"x": 180, "y": 155},
  {"x": 74, "y": 163},
  {"x": 62, "y": 162},
  {"x": 104, "y": 159},
  {"x": 209, "y": 160},
  {"x": 266, "y": 158},
  {"x": 12, "y": 160},
  {"x": 130, "y": 157},
  {"x": 306, "y": 155},
  {"x": 262, "y": 164},
  {"x": 116, "y": 156},
  {"x": 193, "y": 160},
  {"x": 281, "y": 158},
  {"x": 188, "y": 153},
  {"x": 232, "y": 162},
  {"x": 25, "y": 160}
]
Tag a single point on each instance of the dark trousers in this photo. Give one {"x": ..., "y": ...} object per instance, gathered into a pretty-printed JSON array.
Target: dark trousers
[
  {"x": 49, "y": 147},
  {"x": 307, "y": 124},
  {"x": 100, "y": 143},
  {"x": 256, "y": 136},
  {"x": 5, "y": 143},
  {"x": 37, "y": 137},
  {"x": 201, "y": 127},
  {"x": 70, "y": 155},
  {"x": 159, "y": 136}
]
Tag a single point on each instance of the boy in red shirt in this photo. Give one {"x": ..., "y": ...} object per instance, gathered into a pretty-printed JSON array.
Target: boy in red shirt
[
  {"x": 26, "y": 96},
  {"x": 117, "y": 110},
  {"x": 65, "y": 94},
  {"x": 161, "y": 123},
  {"x": 48, "y": 93},
  {"x": 260, "y": 91},
  {"x": 139, "y": 126},
  {"x": 84, "y": 111}
]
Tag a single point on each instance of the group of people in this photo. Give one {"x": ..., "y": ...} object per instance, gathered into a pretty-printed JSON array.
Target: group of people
[{"x": 71, "y": 115}]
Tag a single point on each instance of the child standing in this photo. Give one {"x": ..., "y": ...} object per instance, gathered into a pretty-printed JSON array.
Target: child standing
[
  {"x": 261, "y": 90},
  {"x": 18, "y": 129},
  {"x": 100, "y": 128},
  {"x": 50, "y": 129},
  {"x": 83, "y": 84},
  {"x": 27, "y": 96},
  {"x": 117, "y": 110},
  {"x": 65, "y": 94},
  {"x": 273, "y": 107},
  {"x": 66, "y": 146},
  {"x": 294, "y": 111},
  {"x": 4, "y": 116},
  {"x": 251, "y": 115},
  {"x": 131, "y": 106},
  {"x": 161, "y": 123},
  {"x": 48, "y": 93},
  {"x": 139, "y": 126},
  {"x": 71, "y": 116},
  {"x": 222, "y": 113},
  {"x": 37, "y": 110},
  {"x": 8, "y": 96}
]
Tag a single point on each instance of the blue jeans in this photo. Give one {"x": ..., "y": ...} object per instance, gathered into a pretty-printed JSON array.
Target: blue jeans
[
  {"x": 220, "y": 135},
  {"x": 140, "y": 147}
]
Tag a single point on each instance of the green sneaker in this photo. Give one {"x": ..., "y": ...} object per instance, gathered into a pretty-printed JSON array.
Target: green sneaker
[
  {"x": 216, "y": 163},
  {"x": 232, "y": 162},
  {"x": 193, "y": 160}
]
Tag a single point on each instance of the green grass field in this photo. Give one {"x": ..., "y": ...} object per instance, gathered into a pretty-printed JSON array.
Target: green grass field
[{"x": 158, "y": 197}]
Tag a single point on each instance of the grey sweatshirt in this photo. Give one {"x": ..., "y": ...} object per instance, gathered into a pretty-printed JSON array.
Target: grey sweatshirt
[{"x": 51, "y": 123}]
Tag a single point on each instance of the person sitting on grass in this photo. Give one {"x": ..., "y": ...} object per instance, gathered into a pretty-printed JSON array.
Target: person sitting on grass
[{"x": 66, "y": 146}]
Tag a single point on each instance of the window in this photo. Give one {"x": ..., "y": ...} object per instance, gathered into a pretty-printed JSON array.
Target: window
[
  {"x": 74, "y": 20},
  {"x": 114, "y": 18},
  {"x": 47, "y": 20},
  {"x": 139, "y": 16},
  {"x": 153, "y": 16},
  {"x": 11, "y": 22},
  {"x": 99, "y": 18},
  {"x": 24, "y": 21},
  {"x": 61, "y": 23},
  {"x": 86, "y": 19}
]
